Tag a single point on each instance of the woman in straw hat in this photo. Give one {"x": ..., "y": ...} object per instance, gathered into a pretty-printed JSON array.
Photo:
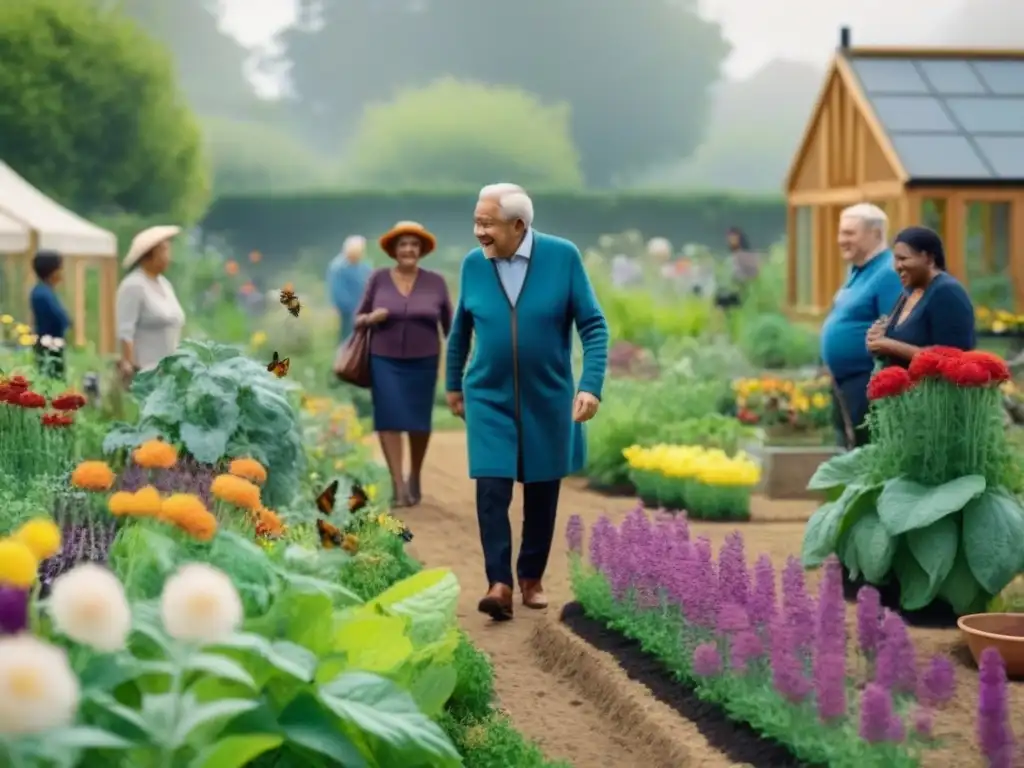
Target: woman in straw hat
[
  {"x": 404, "y": 306},
  {"x": 149, "y": 317}
]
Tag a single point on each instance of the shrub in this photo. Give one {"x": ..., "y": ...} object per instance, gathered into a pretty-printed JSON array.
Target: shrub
[
  {"x": 773, "y": 341},
  {"x": 452, "y": 134},
  {"x": 92, "y": 114}
]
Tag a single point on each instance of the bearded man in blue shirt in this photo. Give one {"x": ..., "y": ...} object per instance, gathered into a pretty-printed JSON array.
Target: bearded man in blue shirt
[{"x": 870, "y": 291}]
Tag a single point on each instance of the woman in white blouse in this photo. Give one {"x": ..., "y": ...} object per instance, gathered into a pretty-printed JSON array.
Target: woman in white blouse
[{"x": 149, "y": 317}]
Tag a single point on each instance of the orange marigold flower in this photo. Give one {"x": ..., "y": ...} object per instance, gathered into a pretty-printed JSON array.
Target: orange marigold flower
[
  {"x": 122, "y": 504},
  {"x": 197, "y": 521},
  {"x": 93, "y": 476},
  {"x": 155, "y": 454},
  {"x": 236, "y": 491},
  {"x": 179, "y": 505},
  {"x": 148, "y": 502},
  {"x": 268, "y": 524},
  {"x": 249, "y": 469}
]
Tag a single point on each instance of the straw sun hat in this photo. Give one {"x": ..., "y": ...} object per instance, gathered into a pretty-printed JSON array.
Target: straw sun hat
[
  {"x": 388, "y": 239},
  {"x": 147, "y": 240}
]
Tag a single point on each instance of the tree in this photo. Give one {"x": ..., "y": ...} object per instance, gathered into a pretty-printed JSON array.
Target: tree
[
  {"x": 91, "y": 113},
  {"x": 635, "y": 74},
  {"x": 463, "y": 134},
  {"x": 251, "y": 157}
]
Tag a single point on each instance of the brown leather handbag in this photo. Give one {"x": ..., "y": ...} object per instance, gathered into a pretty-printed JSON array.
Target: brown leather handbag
[{"x": 352, "y": 363}]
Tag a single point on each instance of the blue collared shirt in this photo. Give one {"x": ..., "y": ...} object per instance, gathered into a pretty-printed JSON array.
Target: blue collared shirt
[{"x": 512, "y": 272}]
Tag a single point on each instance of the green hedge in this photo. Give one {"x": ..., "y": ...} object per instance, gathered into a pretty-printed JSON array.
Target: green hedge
[{"x": 283, "y": 227}]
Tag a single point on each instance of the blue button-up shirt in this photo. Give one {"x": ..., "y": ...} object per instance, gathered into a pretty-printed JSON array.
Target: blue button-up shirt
[{"x": 512, "y": 271}]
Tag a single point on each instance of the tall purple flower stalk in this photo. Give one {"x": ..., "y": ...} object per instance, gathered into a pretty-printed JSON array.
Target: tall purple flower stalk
[
  {"x": 878, "y": 721},
  {"x": 869, "y": 621},
  {"x": 995, "y": 739},
  {"x": 733, "y": 577},
  {"x": 896, "y": 665},
  {"x": 762, "y": 598},
  {"x": 787, "y": 671},
  {"x": 574, "y": 534},
  {"x": 830, "y": 630},
  {"x": 707, "y": 662},
  {"x": 702, "y": 597},
  {"x": 938, "y": 682},
  {"x": 745, "y": 647},
  {"x": 603, "y": 544},
  {"x": 732, "y": 618},
  {"x": 797, "y": 606},
  {"x": 13, "y": 610}
]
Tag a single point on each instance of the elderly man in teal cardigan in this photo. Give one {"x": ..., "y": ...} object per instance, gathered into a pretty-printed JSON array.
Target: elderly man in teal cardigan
[{"x": 521, "y": 293}]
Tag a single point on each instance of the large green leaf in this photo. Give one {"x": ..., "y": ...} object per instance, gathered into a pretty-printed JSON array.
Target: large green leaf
[
  {"x": 915, "y": 592},
  {"x": 820, "y": 534},
  {"x": 960, "y": 589},
  {"x": 164, "y": 403},
  {"x": 993, "y": 536},
  {"x": 207, "y": 445},
  {"x": 307, "y": 724},
  {"x": 846, "y": 550},
  {"x": 905, "y": 505},
  {"x": 873, "y": 547},
  {"x": 381, "y": 709},
  {"x": 935, "y": 549},
  {"x": 236, "y": 751},
  {"x": 289, "y": 658},
  {"x": 207, "y": 716},
  {"x": 428, "y": 598},
  {"x": 842, "y": 470},
  {"x": 433, "y": 686}
]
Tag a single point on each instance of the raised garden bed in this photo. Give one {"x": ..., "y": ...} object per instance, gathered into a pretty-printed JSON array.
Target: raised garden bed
[{"x": 786, "y": 469}]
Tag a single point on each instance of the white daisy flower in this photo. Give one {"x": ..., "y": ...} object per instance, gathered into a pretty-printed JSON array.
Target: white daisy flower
[
  {"x": 46, "y": 341},
  {"x": 89, "y": 605},
  {"x": 200, "y": 604},
  {"x": 57, "y": 342},
  {"x": 38, "y": 688},
  {"x": 659, "y": 247}
]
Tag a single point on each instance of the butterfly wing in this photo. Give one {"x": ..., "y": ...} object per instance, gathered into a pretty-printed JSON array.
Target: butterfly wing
[
  {"x": 294, "y": 306},
  {"x": 274, "y": 362},
  {"x": 283, "y": 367},
  {"x": 330, "y": 536},
  {"x": 357, "y": 498},
  {"x": 325, "y": 501}
]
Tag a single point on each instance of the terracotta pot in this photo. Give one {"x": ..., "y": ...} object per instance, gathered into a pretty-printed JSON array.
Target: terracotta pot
[{"x": 1002, "y": 631}]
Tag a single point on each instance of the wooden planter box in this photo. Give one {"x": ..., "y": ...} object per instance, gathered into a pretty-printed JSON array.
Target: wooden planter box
[{"x": 787, "y": 470}]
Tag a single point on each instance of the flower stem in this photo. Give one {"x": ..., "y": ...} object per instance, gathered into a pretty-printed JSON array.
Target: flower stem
[{"x": 177, "y": 683}]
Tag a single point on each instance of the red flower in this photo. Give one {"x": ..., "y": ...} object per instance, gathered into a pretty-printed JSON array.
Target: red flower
[
  {"x": 969, "y": 374},
  {"x": 889, "y": 382},
  {"x": 29, "y": 399},
  {"x": 933, "y": 362},
  {"x": 56, "y": 420},
  {"x": 18, "y": 382},
  {"x": 996, "y": 367},
  {"x": 68, "y": 401},
  {"x": 747, "y": 417}
]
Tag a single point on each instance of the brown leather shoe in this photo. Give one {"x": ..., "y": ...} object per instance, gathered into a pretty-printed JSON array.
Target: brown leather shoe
[
  {"x": 497, "y": 603},
  {"x": 533, "y": 593}
]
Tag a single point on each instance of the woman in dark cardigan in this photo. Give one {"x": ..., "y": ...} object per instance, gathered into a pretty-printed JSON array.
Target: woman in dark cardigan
[
  {"x": 404, "y": 306},
  {"x": 934, "y": 309}
]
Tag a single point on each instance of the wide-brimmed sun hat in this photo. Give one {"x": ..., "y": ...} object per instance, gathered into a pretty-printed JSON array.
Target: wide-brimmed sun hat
[
  {"x": 146, "y": 241},
  {"x": 403, "y": 228}
]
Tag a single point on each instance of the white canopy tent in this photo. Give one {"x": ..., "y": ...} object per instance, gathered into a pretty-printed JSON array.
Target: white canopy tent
[{"x": 30, "y": 222}]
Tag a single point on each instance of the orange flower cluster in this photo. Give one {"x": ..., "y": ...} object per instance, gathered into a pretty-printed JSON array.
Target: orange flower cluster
[
  {"x": 187, "y": 512},
  {"x": 155, "y": 454},
  {"x": 95, "y": 476},
  {"x": 268, "y": 524},
  {"x": 248, "y": 469},
  {"x": 236, "y": 491}
]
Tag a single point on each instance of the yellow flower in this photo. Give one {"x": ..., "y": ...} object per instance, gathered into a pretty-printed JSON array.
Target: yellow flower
[
  {"x": 371, "y": 491},
  {"x": 6, "y": 319},
  {"x": 18, "y": 565},
  {"x": 155, "y": 454},
  {"x": 258, "y": 339},
  {"x": 339, "y": 464},
  {"x": 27, "y": 339},
  {"x": 249, "y": 469},
  {"x": 237, "y": 491},
  {"x": 41, "y": 536},
  {"x": 998, "y": 326},
  {"x": 93, "y": 476},
  {"x": 22, "y": 328}
]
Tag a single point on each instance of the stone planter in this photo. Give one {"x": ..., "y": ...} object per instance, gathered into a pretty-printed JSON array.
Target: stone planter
[{"x": 787, "y": 470}]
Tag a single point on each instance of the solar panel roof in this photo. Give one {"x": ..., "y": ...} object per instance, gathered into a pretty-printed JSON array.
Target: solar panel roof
[{"x": 950, "y": 120}]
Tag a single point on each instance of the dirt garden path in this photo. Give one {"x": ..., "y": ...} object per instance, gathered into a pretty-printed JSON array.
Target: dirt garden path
[{"x": 545, "y": 706}]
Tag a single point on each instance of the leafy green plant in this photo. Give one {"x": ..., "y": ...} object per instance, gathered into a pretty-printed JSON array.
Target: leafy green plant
[
  {"x": 773, "y": 341},
  {"x": 216, "y": 403},
  {"x": 712, "y": 430}
]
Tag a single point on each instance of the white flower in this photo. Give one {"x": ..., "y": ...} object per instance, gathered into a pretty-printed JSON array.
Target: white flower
[
  {"x": 88, "y": 604},
  {"x": 659, "y": 247},
  {"x": 200, "y": 604},
  {"x": 57, "y": 342},
  {"x": 38, "y": 689},
  {"x": 46, "y": 341}
]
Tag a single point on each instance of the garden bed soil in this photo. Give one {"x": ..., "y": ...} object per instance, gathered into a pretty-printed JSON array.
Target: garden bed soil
[
  {"x": 567, "y": 726},
  {"x": 734, "y": 741}
]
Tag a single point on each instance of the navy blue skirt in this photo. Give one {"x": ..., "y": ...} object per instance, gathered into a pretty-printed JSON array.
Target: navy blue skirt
[{"x": 403, "y": 392}]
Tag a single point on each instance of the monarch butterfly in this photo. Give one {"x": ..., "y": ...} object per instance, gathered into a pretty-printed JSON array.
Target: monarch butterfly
[
  {"x": 290, "y": 300},
  {"x": 330, "y": 536},
  {"x": 279, "y": 367},
  {"x": 357, "y": 498}
]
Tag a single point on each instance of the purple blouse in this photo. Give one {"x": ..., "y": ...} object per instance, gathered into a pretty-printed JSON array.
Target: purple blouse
[{"x": 411, "y": 328}]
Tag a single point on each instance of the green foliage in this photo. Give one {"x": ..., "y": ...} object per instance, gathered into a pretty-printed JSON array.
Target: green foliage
[
  {"x": 712, "y": 430},
  {"x": 91, "y": 112},
  {"x": 281, "y": 226},
  {"x": 773, "y": 341},
  {"x": 259, "y": 158},
  {"x": 453, "y": 134},
  {"x": 218, "y": 404}
]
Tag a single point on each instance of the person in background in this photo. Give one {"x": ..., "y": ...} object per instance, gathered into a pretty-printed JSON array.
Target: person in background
[
  {"x": 347, "y": 277},
  {"x": 522, "y": 294},
  {"x": 935, "y": 310},
  {"x": 404, "y": 306},
  {"x": 149, "y": 317},
  {"x": 50, "y": 317},
  {"x": 870, "y": 291},
  {"x": 736, "y": 239}
]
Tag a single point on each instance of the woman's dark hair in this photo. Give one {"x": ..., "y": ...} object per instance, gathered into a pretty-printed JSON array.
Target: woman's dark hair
[
  {"x": 45, "y": 263},
  {"x": 741, "y": 236},
  {"x": 924, "y": 240}
]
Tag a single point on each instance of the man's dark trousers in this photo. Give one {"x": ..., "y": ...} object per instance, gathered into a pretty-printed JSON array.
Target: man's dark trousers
[
  {"x": 540, "y": 507},
  {"x": 850, "y": 410}
]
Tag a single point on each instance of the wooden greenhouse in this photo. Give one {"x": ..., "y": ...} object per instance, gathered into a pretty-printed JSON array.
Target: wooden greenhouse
[{"x": 933, "y": 137}]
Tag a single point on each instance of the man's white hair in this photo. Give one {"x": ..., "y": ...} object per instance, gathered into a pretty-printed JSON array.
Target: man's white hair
[
  {"x": 872, "y": 216},
  {"x": 353, "y": 243},
  {"x": 512, "y": 200}
]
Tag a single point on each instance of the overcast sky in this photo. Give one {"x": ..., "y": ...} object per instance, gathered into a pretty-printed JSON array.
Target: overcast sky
[{"x": 760, "y": 30}]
